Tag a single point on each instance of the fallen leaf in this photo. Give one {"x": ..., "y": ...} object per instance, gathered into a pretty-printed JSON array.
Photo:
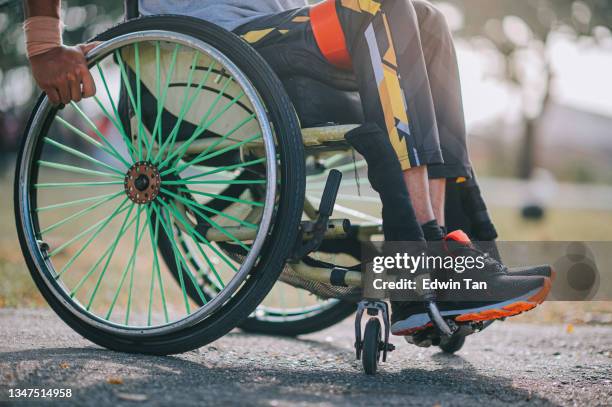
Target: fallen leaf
[
  {"x": 569, "y": 328},
  {"x": 64, "y": 365},
  {"x": 115, "y": 380}
]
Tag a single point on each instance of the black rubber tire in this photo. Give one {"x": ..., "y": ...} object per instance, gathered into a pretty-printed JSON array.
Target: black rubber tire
[
  {"x": 325, "y": 319},
  {"x": 370, "y": 354},
  {"x": 452, "y": 344},
  {"x": 284, "y": 229}
]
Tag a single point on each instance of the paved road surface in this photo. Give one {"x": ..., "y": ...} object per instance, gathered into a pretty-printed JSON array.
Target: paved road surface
[{"x": 508, "y": 364}]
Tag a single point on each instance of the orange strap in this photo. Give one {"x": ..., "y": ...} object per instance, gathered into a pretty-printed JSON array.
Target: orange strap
[{"x": 329, "y": 34}]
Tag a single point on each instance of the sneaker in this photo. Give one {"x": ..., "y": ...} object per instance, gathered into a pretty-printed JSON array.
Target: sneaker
[{"x": 506, "y": 295}]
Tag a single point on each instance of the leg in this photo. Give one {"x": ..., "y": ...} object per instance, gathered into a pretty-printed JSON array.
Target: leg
[
  {"x": 384, "y": 44},
  {"x": 437, "y": 192},
  {"x": 287, "y": 40},
  {"x": 445, "y": 85},
  {"x": 417, "y": 182}
]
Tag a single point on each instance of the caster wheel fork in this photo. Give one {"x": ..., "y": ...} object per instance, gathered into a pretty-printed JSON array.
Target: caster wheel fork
[{"x": 370, "y": 345}]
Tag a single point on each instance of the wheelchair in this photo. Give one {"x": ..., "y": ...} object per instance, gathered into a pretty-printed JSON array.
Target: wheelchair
[{"x": 195, "y": 193}]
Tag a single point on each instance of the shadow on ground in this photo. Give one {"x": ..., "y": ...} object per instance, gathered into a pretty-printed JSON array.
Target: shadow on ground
[{"x": 211, "y": 376}]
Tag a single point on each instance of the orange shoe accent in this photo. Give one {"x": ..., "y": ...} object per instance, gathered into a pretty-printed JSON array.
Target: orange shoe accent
[
  {"x": 541, "y": 295},
  {"x": 509, "y": 310},
  {"x": 519, "y": 307},
  {"x": 329, "y": 34},
  {"x": 458, "y": 236}
]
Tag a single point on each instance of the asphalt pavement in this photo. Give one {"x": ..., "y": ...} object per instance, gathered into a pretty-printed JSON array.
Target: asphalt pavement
[{"x": 508, "y": 364}]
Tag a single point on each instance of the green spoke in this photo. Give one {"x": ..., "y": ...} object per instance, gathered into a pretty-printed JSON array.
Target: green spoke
[
  {"x": 224, "y": 197},
  {"x": 97, "y": 131},
  {"x": 168, "y": 229},
  {"x": 118, "y": 126},
  {"x": 221, "y": 228},
  {"x": 194, "y": 281},
  {"x": 193, "y": 204},
  {"x": 93, "y": 268},
  {"x": 79, "y": 154},
  {"x": 77, "y": 170},
  {"x": 202, "y": 157},
  {"x": 139, "y": 102},
  {"x": 191, "y": 257},
  {"x": 157, "y": 93},
  {"x": 89, "y": 139},
  {"x": 204, "y": 123},
  {"x": 117, "y": 121},
  {"x": 151, "y": 288},
  {"x": 52, "y": 185},
  {"x": 177, "y": 263},
  {"x": 185, "y": 106},
  {"x": 116, "y": 240},
  {"x": 132, "y": 269},
  {"x": 226, "y": 168},
  {"x": 191, "y": 230},
  {"x": 128, "y": 88},
  {"x": 202, "y": 82},
  {"x": 96, "y": 228},
  {"x": 162, "y": 101},
  {"x": 219, "y": 181},
  {"x": 154, "y": 236},
  {"x": 226, "y": 136},
  {"x": 79, "y": 213},
  {"x": 132, "y": 260},
  {"x": 76, "y": 202}
]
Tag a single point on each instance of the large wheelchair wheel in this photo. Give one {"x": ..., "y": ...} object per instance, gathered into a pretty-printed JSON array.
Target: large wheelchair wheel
[{"x": 94, "y": 192}]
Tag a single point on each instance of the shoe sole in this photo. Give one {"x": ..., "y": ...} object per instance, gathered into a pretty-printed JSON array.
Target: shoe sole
[{"x": 510, "y": 308}]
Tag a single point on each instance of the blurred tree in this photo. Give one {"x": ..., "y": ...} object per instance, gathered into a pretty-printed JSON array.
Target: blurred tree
[{"x": 521, "y": 29}]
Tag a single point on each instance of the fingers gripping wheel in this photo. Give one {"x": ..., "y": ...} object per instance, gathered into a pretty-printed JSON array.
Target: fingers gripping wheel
[{"x": 97, "y": 190}]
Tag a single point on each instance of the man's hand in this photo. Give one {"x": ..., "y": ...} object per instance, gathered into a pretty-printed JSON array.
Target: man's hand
[{"x": 63, "y": 75}]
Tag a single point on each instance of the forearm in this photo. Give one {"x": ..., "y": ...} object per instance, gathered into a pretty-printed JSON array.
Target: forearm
[
  {"x": 42, "y": 8},
  {"x": 60, "y": 71},
  {"x": 42, "y": 27}
]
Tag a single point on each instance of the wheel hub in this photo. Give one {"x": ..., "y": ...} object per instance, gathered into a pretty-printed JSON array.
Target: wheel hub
[{"x": 142, "y": 182}]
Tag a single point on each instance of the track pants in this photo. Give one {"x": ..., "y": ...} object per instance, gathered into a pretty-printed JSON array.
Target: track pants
[{"x": 404, "y": 61}]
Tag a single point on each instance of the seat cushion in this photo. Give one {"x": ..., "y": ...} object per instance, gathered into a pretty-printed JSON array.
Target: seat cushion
[{"x": 318, "y": 103}]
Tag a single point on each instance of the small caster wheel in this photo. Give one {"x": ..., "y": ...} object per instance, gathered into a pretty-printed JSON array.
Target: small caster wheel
[
  {"x": 372, "y": 344},
  {"x": 452, "y": 344}
]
